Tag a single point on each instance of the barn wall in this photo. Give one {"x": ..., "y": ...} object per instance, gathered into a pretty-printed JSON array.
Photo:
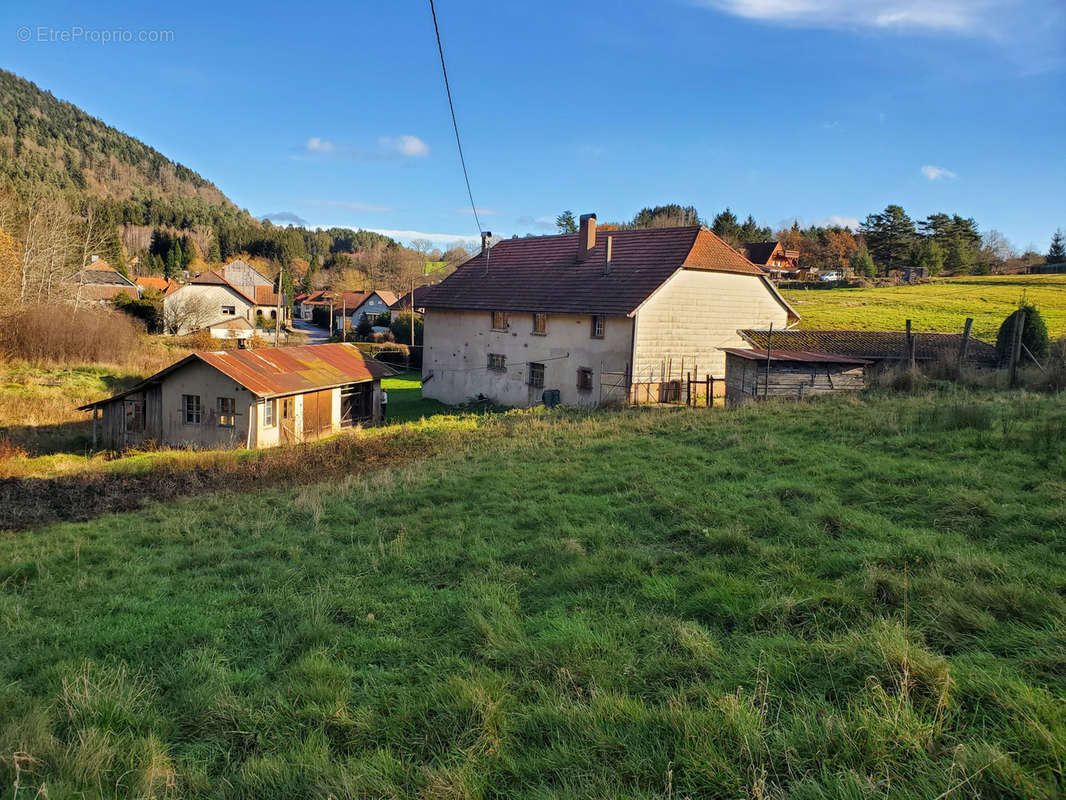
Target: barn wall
[
  {"x": 747, "y": 379},
  {"x": 458, "y": 344},
  {"x": 695, "y": 313},
  {"x": 198, "y": 378}
]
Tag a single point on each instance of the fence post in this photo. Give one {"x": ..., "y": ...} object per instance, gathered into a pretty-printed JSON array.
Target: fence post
[
  {"x": 710, "y": 385},
  {"x": 965, "y": 340},
  {"x": 1016, "y": 346},
  {"x": 910, "y": 346}
]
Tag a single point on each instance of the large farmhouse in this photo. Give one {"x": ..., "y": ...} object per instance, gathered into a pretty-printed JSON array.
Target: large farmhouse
[
  {"x": 592, "y": 315},
  {"x": 229, "y": 304},
  {"x": 244, "y": 398}
]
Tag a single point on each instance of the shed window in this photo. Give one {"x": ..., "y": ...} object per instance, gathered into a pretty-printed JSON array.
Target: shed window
[
  {"x": 190, "y": 409},
  {"x": 599, "y": 324},
  {"x": 497, "y": 362},
  {"x": 536, "y": 375},
  {"x": 540, "y": 323},
  {"x": 499, "y": 320},
  {"x": 229, "y": 310},
  {"x": 135, "y": 413},
  {"x": 268, "y": 413},
  {"x": 227, "y": 416},
  {"x": 584, "y": 379}
]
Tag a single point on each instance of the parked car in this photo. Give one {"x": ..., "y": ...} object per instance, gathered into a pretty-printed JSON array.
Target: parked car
[{"x": 830, "y": 276}]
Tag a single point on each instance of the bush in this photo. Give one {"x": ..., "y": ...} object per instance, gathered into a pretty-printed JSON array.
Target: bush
[
  {"x": 401, "y": 328},
  {"x": 61, "y": 335},
  {"x": 1034, "y": 334}
]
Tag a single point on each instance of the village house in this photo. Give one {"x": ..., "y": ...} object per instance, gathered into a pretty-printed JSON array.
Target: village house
[
  {"x": 349, "y": 307},
  {"x": 244, "y": 398},
  {"x": 160, "y": 286},
  {"x": 594, "y": 316},
  {"x": 304, "y": 303},
  {"x": 229, "y": 310},
  {"x": 100, "y": 282},
  {"x": 773, "y": 259}
]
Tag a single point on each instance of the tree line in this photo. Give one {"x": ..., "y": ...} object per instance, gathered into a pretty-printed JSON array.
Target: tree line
[{"x": 885, "y": 241}]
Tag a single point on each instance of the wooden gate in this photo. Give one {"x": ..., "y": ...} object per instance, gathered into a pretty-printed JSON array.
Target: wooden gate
[{"x": 288, "y": 420}]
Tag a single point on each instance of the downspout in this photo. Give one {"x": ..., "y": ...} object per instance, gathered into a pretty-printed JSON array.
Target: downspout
[{"x": 632, "y": 357}]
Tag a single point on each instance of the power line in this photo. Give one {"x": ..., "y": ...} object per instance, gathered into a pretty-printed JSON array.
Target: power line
[{"x": 455, "y": 124}]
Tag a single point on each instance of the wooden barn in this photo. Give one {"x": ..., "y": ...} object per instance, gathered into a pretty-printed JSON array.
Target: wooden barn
[
  {"x": 244, "y": 398},
  {"x": 753, "y": 374}
]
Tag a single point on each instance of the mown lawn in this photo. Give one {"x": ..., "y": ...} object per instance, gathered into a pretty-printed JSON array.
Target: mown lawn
[
  {"x": 861, "y": 597},
  {"x": 940, "y": 307}
]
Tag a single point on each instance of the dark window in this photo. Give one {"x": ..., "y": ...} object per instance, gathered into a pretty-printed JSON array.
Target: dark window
[
  {"x": 536, "y": 375},
  {"x": 273, "y": 313},
  {"x": 227, "y": 412},
  {"x": 135, "y": 413},
  {"x": 357, "y": 403},
  {"x": 190, "y": 409},
  {"x": 499, "y": 320},
  {"x": 584, "y": 379},
  {"x": 228, "y": 310},
  {"x": 540, "y": 323},
  {"x": 268, "y": 414},
  {"x": 599, "y": 323},
  {"x": 497, "y": 362}
]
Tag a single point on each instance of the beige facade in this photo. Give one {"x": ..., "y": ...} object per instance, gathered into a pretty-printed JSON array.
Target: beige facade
[
  {"x": 688, "y": 318},
  {"x": 197, "y": 306},
  {"x": 163, "y": 413},
  {"x": 696, "y": 312}
]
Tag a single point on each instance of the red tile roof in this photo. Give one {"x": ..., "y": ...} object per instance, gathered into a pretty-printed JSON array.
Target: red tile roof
[
  {"x": 543, "y": 273},
  {"x": 212, "y": 278},
  {"x": 162, "y": 285},
  {"x": 877, "y": 345},
  {"x": 265, "y": 296}
]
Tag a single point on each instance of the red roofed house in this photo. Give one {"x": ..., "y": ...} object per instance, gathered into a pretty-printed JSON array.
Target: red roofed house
[
  {"x": 349, "y": 307},
  {"x": 244, "y": 398},
  {"x": 773, "y": 259},
  {"x": 619, "y": 316},
  {"x": 229, "y": 309},
  {"x": 161, "y": 285}
]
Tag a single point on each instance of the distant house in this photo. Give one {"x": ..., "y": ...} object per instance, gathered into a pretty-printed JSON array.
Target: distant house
[
  {"x": 349, "y": 307},
  {"x": 753, "y": 373},
  {"x": 412, "y": 300},
  {"x": 592, "y": 315},
  {"x": 244, "y": 398},
  {"x": 210, "y": 299},
  {"x": 773, "y": 259},
  {"x": 876, "y": 347},
  {"x": 100, "y": 282},
  {"x": 304, "y": 303},
  {"x": 162, "y": 286}
]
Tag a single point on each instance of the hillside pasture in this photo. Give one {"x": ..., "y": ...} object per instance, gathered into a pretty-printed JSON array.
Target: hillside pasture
[
  {"x": 859, "y": 597},
  {"x": 940, "y": 306}
]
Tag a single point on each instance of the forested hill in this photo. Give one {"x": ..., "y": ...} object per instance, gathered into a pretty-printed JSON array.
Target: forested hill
[{"x": 50, "y": 141}]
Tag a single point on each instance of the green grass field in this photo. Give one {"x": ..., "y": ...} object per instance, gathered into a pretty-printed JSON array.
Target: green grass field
[
  {"x": 862, "y": 597},
  {"x": 940, "y": 307}
]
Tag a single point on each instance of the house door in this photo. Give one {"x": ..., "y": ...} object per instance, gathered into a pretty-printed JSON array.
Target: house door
[
  {"x": 288, "y": 420},
  {"x": 318, "y": 413}
]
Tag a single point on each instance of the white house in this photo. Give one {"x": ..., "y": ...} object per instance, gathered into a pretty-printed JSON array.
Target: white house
[{"x": 596, "y": 316}]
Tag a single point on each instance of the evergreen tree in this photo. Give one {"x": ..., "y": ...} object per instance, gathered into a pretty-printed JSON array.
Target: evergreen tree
[
  {"x": 960, "y": 257},
  {"x": 565, "y": 222},
  {"x": 1057, "y": 253},
  {"x": 751, "y": 232},
  {"x": 364, "y": 328},
  {"x": 862, "y": 263},
  {"x": 214, "y": 255},
  {"x": 1034, "y": 334},
  {"x": 726, "y": 227},
  {"x": 889, "y": 237},
  {"x": 929, "y": 255}
]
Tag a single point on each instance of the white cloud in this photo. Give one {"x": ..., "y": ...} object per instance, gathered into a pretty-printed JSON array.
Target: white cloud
[
  {"x": 540, "y": 223},
  {"x": 836, "y": 220},
  {"x": 944, "y": 15},
  {"x": 444, "y": 238},
  {"x": 320, "y": 146},
  {"x": 937, "y": 173},
  {"x": 410, "y": 146}
]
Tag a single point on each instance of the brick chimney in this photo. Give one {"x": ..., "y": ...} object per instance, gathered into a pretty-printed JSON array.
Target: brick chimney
[
  {"x": 486, "y": 240},
  {"x": 586, "y": 239}
]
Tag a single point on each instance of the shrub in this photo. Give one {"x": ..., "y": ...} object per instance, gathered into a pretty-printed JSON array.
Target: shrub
[
  {"x": 401, "y": 328},
  {"x": 1034, "y": 334},
  {"x": 62, "y": 335}
]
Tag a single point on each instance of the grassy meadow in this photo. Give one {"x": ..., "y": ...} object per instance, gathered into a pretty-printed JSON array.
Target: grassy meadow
[
  {"x": 937, "y": 307},
  {"x": 860, "y": 597}
]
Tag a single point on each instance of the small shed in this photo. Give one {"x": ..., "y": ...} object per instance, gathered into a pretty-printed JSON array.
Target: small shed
[
  {"x": 245, "y": 398},
  {"x": 754, "y": 373}
]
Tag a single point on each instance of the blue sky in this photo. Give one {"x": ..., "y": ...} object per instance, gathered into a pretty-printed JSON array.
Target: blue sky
[{"x": 334, "y": 114}]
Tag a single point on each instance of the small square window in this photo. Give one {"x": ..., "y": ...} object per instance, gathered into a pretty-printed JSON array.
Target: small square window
[
  {"x": 227, "y": 412},
  {"x": 229, "y": 310},
  {"x": 500, "y": 321},
  {"x": 599, "y": 324},
  {"x": 497, "y": 362},
  {"x": 536, "y": 375},
  {"x": 268, "y": 413},
  {"x": 584, "y": 379},
  {"x": 190, "y": 409},
  {"x": 540, "y": 323}
]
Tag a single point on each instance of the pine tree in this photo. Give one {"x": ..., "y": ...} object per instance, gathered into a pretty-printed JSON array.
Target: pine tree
[
  {"x": 565, "y": 222},
  {"x": 1057, "y": 253},
  {"x": 725, "y": 226},
  {"x": 862, "y": 263}
]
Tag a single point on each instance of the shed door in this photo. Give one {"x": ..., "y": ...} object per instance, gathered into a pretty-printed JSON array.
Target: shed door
[{"x": 318, "y": 413}]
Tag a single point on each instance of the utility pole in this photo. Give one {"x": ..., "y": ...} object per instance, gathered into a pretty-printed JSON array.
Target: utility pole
[{"x": 277, "y": 311}]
